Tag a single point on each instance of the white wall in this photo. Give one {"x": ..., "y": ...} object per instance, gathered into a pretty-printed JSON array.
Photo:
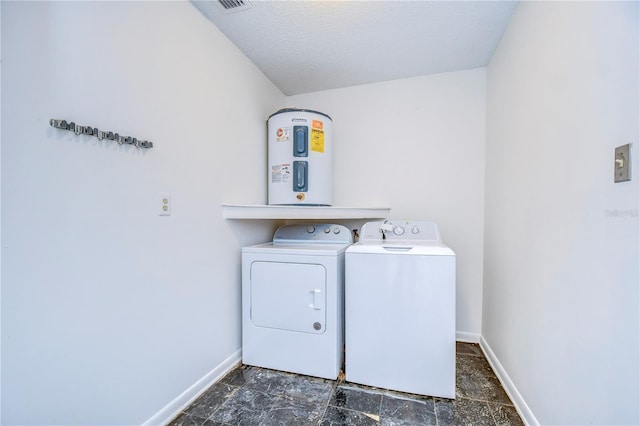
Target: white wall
[
  {"x": 109, "y": 311},
  {"x": 561, "y": 239},
  {"x": 417, "y": 145}
]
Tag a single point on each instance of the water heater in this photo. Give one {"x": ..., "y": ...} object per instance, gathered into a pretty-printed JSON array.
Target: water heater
[{"x": 300, "y": 157}]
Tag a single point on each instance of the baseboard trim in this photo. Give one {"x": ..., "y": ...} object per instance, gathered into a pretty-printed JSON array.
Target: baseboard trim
[
  {"x": 465, "y": 336},
  {"x": 171, "y": 410},
  {"x": 518, "y": 401}
]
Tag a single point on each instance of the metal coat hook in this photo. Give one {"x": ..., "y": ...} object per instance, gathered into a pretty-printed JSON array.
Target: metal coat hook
[{"x": 100, "y": 134}]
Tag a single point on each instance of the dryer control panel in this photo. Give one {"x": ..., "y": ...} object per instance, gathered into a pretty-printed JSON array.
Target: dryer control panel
[
  {"x": 400, "y": 231},
  {"x": 311, "y": 233}
]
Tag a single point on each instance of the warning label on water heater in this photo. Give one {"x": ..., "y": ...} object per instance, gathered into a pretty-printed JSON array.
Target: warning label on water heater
[
  {"x": 317, "y": 136},
  {"x": 282, "y": 134},
  {"x": 317, "y": 140},
  {"x": 280, "y": 173}
]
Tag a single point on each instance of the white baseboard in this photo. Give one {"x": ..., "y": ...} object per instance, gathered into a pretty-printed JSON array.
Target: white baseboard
[
  {"x": 166, "y": 414},
  {"x": 171, "y": 410},
  {"x": 518, "y": 401},
  {"x": 465, "y": 336}
]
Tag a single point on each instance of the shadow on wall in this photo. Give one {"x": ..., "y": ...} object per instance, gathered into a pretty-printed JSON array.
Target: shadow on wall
[{"x": 250, "y": 231}]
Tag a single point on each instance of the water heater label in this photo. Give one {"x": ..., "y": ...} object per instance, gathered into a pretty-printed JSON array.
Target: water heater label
[
  {"x": 280, "y": 173},
  {"x": 282, "y": 134},
  {"x": 317, "y": 140}
]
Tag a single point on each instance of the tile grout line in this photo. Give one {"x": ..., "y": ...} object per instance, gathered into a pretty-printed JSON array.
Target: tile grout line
[
  {"x": 380, "y": 407},
  {"x": 491, "y": 414},
  {"x": 486, "y": 400},
  {"x": 334, "y": 385},
  {"x": 326, "y": 407},
  {"x": 235, "y": 390}
]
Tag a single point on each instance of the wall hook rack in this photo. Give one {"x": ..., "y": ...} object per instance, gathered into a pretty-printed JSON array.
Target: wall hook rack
[{"x": 100, "y": 134}]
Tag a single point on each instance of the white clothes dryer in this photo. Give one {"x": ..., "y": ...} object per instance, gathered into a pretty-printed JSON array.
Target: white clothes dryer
[
  {"x": 292, "y": 300},
  {"x": 400, "y": 309}
]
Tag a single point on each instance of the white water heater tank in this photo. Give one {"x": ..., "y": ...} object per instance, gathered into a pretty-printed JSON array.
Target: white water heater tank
[{"x": 300, "y": 152}]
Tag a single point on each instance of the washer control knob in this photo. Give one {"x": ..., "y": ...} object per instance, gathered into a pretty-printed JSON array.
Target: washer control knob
[
  {"x": 327, "y": 230},
  {"x": 415, "y": 230},
  {"x": 311, "y": 229},
  {"x": 336, "y": 230},
  {"x": 398, "y": 230}
]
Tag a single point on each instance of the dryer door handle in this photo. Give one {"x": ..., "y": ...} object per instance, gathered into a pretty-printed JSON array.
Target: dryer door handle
[{"x": 317, "y": 301}]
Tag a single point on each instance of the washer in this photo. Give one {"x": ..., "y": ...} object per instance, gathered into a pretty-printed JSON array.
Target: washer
[
  {"x": 292, "y": 300},
  {"x": 400, "y": 313}
]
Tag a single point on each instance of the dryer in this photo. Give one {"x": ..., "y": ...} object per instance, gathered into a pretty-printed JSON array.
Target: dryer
[
  {"x": 400, "y": 315},
  {"x": 292, "y": 300}
]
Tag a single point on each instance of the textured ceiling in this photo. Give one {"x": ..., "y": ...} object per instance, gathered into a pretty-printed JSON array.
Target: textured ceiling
[{"x": 308, "y": 46}]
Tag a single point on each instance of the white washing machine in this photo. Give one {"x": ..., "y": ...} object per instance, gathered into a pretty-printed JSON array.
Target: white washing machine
[
  {"x": 292, "y": 300},
  {"x": 400, "y": 309}
]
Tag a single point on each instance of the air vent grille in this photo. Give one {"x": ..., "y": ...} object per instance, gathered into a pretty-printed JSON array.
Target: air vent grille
[{"x": 234, "y": 5}]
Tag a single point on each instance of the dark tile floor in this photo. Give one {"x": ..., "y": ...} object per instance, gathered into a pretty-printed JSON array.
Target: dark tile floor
[{"x": 257, "y": 396}]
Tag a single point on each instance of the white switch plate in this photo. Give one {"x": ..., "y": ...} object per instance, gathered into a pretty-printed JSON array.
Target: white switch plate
[
  {"x": 622, "y": 163},
  {"x": 165, "y": 205}
]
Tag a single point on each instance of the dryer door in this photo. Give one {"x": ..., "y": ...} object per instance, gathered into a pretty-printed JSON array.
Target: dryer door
[{"x": 289, "y": 296}]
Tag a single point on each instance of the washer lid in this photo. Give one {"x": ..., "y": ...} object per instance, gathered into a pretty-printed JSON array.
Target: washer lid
[{"x": 401, "y": 249}]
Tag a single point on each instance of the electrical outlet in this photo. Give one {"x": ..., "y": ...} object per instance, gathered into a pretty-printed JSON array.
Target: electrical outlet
[
  {"x": 622, "y": 163},
  {"x": 165, "y": 205}
]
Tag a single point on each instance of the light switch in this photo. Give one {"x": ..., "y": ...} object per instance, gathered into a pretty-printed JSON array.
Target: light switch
[{"x": 622, "y": 163}]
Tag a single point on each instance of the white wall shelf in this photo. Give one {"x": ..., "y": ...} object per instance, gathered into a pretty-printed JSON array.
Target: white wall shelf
[{"x": 301, "y": 212}]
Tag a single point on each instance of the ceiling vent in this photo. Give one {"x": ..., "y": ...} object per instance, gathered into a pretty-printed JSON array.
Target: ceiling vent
[{"x": 230, "y": 6}]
